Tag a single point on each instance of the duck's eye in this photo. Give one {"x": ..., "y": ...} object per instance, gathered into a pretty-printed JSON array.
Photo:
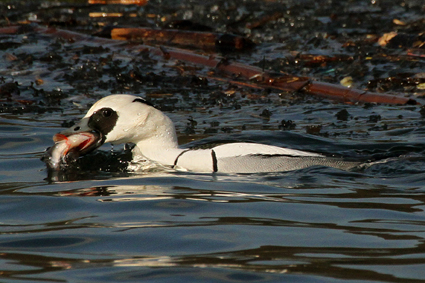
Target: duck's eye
[
  {"x": 107, "y": 112},
  {"x": 103, "y": 120}
]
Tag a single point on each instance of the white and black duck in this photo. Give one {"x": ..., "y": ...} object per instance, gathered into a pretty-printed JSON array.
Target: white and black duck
[{"x": 124, "y": 118}]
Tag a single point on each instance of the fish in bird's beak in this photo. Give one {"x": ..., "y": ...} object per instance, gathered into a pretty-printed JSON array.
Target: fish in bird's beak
[
  {"x": 70, "y": 147},
  {"x": 99, "y": 125},
  {"x": 71, "y": 143}
]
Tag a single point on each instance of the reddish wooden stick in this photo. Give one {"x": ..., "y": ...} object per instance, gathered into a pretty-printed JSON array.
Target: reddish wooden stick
[
  {"x": 202, "y": 40},
  {"x": 261, "y": 78},
  {"x": 286, "y": 82},
  {"x": 122, "y": 2}
]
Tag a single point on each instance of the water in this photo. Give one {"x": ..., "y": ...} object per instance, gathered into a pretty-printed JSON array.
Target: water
[
  {"x": 312, "y": 225},
  {"x": 96, "y": 222}
]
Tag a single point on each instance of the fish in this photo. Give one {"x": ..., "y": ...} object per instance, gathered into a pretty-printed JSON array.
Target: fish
[{"x": 68, "y": 148}]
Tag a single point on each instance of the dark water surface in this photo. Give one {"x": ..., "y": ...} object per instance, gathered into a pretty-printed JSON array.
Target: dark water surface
[
  {"x": 311, "y": 225},
  {"x": 100, "y": 223}
]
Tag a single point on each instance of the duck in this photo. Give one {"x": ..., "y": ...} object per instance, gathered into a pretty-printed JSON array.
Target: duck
[{"x": 124, "y": 118}]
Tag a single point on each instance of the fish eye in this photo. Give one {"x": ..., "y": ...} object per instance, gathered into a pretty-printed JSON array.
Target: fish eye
[{"x": 77, "y": 128}]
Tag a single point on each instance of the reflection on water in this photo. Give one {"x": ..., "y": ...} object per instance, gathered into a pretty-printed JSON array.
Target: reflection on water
[{"x": 316, "y": 223}]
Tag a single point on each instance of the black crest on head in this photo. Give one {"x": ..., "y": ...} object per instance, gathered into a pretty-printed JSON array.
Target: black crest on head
[
  {"x": 103, "y": 120},
  {"x": 144, "y": 101}
]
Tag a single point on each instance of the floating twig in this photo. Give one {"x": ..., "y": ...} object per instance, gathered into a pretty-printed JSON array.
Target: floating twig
[
  {"x": 182, "y": 38},
  {"x": 122, "y": 2}
]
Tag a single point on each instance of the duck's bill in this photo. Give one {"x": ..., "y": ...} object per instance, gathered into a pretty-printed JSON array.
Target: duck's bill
[{"x": 69, "y": 148}]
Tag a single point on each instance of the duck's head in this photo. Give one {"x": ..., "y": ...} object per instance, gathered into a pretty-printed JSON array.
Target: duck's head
[{"x": 122, "y": 118}]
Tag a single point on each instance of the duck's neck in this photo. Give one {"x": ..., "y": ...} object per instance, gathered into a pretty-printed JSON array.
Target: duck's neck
[{"x": 161, "y": 144}]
